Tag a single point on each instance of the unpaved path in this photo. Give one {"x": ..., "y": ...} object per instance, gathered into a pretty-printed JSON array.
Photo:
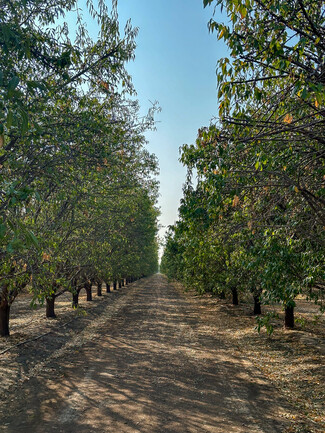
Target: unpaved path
[{"x": 152, "y": 363}]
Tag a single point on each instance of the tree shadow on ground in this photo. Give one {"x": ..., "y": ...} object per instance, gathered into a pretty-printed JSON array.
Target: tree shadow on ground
[{"x": 154, "y": 367}]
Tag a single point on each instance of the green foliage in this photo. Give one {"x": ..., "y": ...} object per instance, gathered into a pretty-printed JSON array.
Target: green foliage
[
  {"x": 266, "y": 322},
  {"x": 255, "y": 220},
  {"x": 77, "y": 197}
]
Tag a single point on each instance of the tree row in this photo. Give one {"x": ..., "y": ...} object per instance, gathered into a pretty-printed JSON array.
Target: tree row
[
  {"x": 77, "y": 189},
  {"x": 254, "y": 220}
]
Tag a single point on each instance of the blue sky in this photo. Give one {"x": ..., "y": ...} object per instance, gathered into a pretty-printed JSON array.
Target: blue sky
[{"x": 175, "y": 64}]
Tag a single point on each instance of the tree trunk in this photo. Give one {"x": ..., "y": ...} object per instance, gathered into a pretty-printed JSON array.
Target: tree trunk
[
  {"x": 119, "y": 284},
  {"x": 234, "y": 296},
  {"x": 50, "y": 307},
  {"x": 257, "y": 305},
  {"x": 122, "y": 282},
  {"x": 114, "y": 285},
  {"x": 108, "y": 287},
  {"x": 289, "y": 319},
  {"x": 75, "y": 299},
  {"x": 75, "y": 293},
  {"x": 99, "y": 288},
  {"x": 4, "y": 318},
  {"x": 88, "y": 291}
]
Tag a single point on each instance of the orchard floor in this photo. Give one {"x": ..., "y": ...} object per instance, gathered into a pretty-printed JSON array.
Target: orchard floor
[{"x": 150, "y": 358}]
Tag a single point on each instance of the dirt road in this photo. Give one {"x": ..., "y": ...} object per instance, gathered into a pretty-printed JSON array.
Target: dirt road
[{"x": 151, "y": 364}]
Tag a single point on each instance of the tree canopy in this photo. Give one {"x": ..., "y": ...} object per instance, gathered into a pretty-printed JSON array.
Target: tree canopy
[
  {"x": 78, "y": 196},
  {"x": 255, "y": 219}
]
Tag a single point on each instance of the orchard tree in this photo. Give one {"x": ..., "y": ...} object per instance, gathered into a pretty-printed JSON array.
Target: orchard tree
[
  {"x": 260, "y": 165},
  {"x": 70, "y": 140},
  {"x": 271, "y": 92}
]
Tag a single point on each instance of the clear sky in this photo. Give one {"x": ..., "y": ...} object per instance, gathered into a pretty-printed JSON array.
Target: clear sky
[{"x": 175, "y": 64}]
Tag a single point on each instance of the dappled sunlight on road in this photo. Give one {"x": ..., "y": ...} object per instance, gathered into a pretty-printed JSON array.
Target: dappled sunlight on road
[{"x": 155, "y": 366}]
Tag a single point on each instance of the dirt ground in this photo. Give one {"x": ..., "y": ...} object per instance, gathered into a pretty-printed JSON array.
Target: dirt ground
[{"x": 150, "y": 358}]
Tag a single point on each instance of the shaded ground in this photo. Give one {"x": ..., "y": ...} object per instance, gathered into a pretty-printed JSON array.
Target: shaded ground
[
  {"x": 39, "y": 339},
  {"x": 292, "y": 360},
  {"x": 145, "y": 359}
]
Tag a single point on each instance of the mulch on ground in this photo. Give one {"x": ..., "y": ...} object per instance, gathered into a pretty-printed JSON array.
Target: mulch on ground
[{"x": 293, "y": 360}]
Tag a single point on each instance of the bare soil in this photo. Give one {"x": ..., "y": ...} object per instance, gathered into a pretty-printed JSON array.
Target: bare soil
[{"x": 150, "y": 358}]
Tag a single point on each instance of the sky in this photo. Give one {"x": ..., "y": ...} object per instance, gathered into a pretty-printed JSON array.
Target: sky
[{"x": 175, "y": 64}]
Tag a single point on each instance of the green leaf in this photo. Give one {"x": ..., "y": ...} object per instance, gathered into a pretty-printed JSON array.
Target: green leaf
[
  {"x": 304, "y": 93},
  {"x": 31, "y": 238},
  {"x": 13, "y": 83},
  {"x": 2, "y": 230},
  {"x": 10, "y": 118},
  {"x": 33, "y": 84},
  {"x": 24, "y": 124}
]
